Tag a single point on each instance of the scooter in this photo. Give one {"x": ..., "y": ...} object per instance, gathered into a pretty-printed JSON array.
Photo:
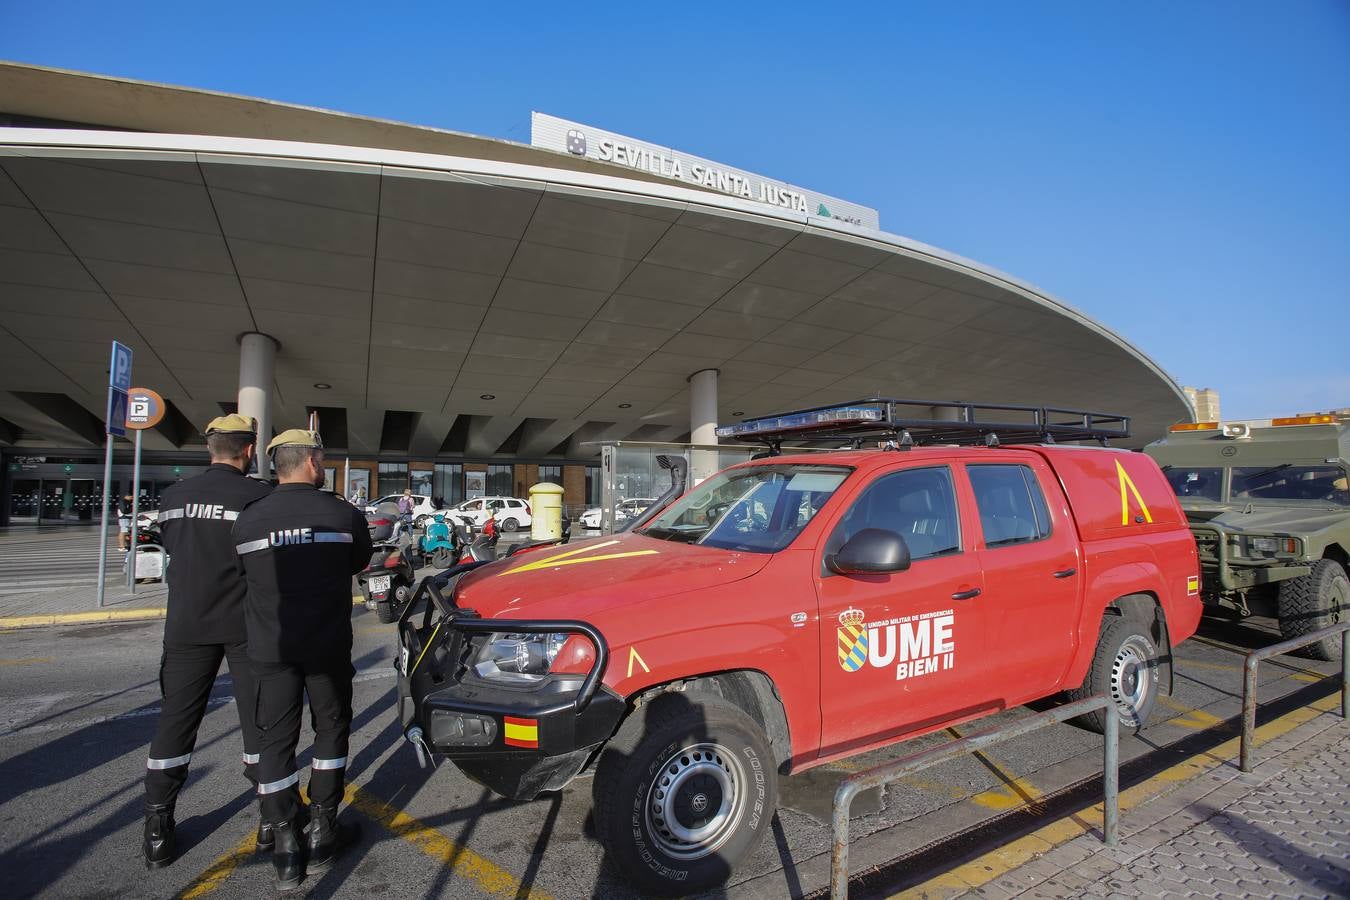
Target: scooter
[
  {"x": 151, "y": 559},
  {"x": 387, "y": 582},
  {"x": 440, "y": 542}
]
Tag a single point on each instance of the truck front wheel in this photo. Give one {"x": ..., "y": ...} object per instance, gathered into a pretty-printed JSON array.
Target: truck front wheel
[
  {"x": 1125, "y": 669},
  {"x": 1312, "y": 602},
  {"x": 683, "y": 793}
]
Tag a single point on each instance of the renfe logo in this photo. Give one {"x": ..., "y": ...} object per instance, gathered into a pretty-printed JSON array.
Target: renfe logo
[
  {"x": 291, "y": 536},
  {"x": 918, "y": 645},
  {"x": 576, "y": 142}
]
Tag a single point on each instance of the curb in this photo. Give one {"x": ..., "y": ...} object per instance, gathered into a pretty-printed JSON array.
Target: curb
[{"x": 104, "y": 617}]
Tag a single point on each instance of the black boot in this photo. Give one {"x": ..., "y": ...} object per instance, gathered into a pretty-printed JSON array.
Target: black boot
[
  {"x": 327, "y": 837},
  {"x": 158, "y": 843},
  {"x": 286, "y": 856},
  {"x": 266, "y": 839}
]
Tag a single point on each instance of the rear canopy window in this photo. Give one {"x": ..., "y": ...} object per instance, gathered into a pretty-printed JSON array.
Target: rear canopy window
[
  {"x": 1289, "y": 483},
  {"x": 760, "y": 509}
]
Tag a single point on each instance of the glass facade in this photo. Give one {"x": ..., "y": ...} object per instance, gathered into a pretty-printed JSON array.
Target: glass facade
[
  {"x": 551, "y": 474},
  {"x": 393, "y": 478},
  {"x": 499, "y": 481},
  {"x": 449, "y": 483}
]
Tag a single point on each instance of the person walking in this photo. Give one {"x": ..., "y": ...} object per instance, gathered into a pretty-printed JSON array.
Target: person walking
[
  {"x": 123, "y": 521},
  {"x": 204, "y": 622},
  {"x": 299, "y": 548},
  {"x": 406, "y": 505}
]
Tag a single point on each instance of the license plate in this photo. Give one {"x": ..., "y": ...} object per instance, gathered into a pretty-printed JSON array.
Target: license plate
[{"x": 379, "y": 584}]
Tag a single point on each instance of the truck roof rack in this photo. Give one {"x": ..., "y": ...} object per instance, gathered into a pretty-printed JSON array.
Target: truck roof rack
[{"x": 901, "y": 424}]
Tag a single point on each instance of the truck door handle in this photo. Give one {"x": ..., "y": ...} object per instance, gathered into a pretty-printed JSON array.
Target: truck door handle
[
  {"x": 966, "y": 595},
  {"x": 1066, "y": 573}
]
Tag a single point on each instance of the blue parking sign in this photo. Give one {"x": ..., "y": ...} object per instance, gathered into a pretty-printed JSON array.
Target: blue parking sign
[
  {"x": 117, "y": 412},
  {"x": 119, "y": 371}
]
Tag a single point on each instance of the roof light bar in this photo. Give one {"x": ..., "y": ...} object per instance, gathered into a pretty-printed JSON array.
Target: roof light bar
[
  {"x": 1305, "y": 420},
  {"x": 837, "y": 415},
  {"x": 909, "y": 422},
  {"x": 1195, "y": 426}
]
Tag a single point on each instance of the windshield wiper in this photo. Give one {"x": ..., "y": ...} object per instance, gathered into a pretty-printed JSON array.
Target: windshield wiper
[{"x": 1265, "y": 472}]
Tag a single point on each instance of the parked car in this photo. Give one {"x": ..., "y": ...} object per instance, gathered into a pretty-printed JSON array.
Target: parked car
[
  {"x": 511, "y": 514},
  {"x": 795, "y": 610},
  {"x": 623, "y": 511},
  {"x": 422, "y": 507}
]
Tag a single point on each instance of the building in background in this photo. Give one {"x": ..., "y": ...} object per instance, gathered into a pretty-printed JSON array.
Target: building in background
[{"x": 1205, "y": 402}]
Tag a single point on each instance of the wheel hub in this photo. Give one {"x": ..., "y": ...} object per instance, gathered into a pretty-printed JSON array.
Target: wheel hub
[
  {"x": 1131, "y": 677},
  {"x": 693, "y": 804}
]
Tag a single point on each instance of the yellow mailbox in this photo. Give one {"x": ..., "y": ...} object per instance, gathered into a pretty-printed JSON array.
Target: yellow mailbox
[{"x": 546, "y": 509}]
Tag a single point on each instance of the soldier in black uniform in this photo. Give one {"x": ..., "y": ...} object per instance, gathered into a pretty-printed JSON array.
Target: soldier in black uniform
[
  {"x": 205, "y": 621},
  {"x": 299, "y": 548}
]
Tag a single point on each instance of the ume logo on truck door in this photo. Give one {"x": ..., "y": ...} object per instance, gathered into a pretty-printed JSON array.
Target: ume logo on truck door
[{"x": 918, "y": 645}]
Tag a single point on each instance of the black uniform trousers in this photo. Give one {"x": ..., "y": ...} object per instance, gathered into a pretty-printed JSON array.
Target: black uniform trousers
[
  {"x": 280, "y": 691},
  {"x": 186, "y": 674}
]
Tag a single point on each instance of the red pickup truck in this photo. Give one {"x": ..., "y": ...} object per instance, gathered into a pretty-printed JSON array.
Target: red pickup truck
[{"x": 794, "y": 610}]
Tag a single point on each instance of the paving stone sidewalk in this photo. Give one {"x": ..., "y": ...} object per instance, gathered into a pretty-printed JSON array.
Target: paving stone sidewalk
[{"x": 1282, "y": 830}]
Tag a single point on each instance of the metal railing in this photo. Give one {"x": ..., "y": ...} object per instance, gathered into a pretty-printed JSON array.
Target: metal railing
[
  {"x": 883, "y": 774},
  {"x": 1247, "y": 750}
]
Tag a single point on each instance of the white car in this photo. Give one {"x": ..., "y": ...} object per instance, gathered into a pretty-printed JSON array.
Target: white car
[
  {"x": 623, "y": 511},
  {"x": 422, "y": 508},
  {"x": 511, "y": 514}
]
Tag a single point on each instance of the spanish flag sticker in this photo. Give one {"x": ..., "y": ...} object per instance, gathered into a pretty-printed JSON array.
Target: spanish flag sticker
[
  {"x": 520, "y": 732},
  {"x": 1192, "y": 585}
]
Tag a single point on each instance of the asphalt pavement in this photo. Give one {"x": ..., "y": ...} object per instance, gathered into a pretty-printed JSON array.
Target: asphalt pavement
[{"x": 77, "y": 708}]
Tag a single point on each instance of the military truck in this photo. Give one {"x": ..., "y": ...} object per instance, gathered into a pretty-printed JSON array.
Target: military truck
[{"x": 1269, "y": 506}]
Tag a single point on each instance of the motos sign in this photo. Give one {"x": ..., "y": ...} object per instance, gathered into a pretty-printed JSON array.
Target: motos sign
[{"x": 606, "y": 146}]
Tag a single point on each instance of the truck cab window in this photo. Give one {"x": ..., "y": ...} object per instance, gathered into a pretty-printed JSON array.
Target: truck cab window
[
  {"x": 917, "y": 504},
  {"x": 1012, "y": 507}
]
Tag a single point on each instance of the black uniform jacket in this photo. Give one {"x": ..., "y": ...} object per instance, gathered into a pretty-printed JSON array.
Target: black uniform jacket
[
  {"x": 299, "y": 548},
  {"x": 206, "y": 585}
]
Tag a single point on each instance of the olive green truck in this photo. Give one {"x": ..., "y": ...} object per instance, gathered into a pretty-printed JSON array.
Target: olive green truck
[{"x": 1269, "y": 505}]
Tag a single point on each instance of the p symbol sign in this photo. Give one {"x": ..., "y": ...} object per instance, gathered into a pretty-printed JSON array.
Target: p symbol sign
[{"x": 119, "y": 371}]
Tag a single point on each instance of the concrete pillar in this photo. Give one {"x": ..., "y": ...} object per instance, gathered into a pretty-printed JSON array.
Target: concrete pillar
[
  {"x": 257, "y": 365},
  {"x": 702, "y": 423}
]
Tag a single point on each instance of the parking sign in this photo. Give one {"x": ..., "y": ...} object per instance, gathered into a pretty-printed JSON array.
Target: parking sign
[
  {"x": 117, "y": 411},
  {"x": 145, "y": 408},
  {"x": 119, "y": 370}
]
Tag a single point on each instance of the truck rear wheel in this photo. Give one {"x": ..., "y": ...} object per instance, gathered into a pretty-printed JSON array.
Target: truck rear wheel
[
  {"x": 683, "y": 793},
  {"x": 1124, "y": 668},
  {"x": 1315, "y": 601}
]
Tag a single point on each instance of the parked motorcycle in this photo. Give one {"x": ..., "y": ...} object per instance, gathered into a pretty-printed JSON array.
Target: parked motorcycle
[
  {"x": 150, "y": 557},
  {"x": 440, "y": 542},
  {"x": 387, "y": 581}
]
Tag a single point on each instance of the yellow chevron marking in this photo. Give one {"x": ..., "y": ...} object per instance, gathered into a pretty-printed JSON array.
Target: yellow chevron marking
[
  {"x": 565, "y": 559},
  {"x": 1125, "y": 482},
  {"x": 633, "y": 657}
]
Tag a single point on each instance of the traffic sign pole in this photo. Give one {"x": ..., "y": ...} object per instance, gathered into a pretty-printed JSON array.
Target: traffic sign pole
[
  {"x": 103, "y": 532},
  {"x": 135, "y": 512}
]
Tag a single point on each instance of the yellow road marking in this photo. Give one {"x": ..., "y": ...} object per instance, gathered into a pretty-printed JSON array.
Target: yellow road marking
[
  {"x": 10, "y": 623},
  {"x": 1190, "y": 717},
  {"x": 220, "y": 870},
  {"x": 1014, "y": 792},
  {"x": 996, "y": 863},
  {"x": 1183, "y": 664},
  {"x": 487, "y": 876},
  {"x": 633, "y": 657},
  {"x": 30, "y": 661}
]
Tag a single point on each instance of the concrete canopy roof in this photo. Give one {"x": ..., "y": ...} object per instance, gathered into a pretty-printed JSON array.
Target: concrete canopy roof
[{"x": 420, "y": 282}]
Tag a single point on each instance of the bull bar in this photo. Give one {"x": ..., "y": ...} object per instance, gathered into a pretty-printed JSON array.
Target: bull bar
[
  {"x": 885, "y": 773},
  {"x": 1247, "y": 750}
]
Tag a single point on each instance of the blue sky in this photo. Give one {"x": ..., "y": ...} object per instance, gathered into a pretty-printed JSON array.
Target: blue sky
[{"x": 1178, "y": 171}]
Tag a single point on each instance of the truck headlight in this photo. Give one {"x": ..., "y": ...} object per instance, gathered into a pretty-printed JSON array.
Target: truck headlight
[
  {"x": 519, "y": 658},
  {"x": 1271, "y": 546}
]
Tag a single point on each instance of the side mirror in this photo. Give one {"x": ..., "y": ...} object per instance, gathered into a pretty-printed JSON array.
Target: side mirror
[{"x": 872, "y": 551}]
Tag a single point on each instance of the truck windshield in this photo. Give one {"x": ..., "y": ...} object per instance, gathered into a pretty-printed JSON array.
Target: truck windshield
[
  {"x": 1285, "y": 483},
  {"x": 759, "y": 509},
  {"x": 1201, "y": 483}
]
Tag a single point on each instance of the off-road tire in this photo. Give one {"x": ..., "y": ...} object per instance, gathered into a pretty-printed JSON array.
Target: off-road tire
[
  {"x": 669, "y": 738},
  {"x": 384, "y": 611},
  {"x": 509, "y": 525},
  {"x": 1125, "y": 653},
  {"x": 441, "y": 558},
  {"x": 1315, "y": 601}
]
